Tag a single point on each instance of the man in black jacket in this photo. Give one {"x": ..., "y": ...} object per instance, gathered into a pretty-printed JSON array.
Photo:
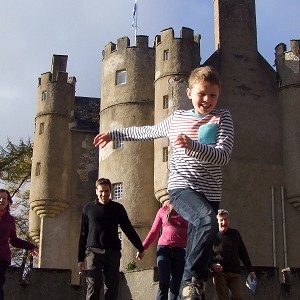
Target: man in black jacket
[
  {"x": 99, "y": 244},
  {"x": 228, "y": 250}
]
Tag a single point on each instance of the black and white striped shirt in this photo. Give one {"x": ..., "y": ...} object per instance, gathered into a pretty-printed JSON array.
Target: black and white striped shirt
[{"x": 198, "y": 168}]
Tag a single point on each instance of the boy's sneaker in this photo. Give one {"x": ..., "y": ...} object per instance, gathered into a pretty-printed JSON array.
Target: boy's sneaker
[{"x": 193, "y": 290}]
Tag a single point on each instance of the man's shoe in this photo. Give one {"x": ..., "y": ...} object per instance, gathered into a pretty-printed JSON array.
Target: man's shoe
[{"x": 193, "y": 289}]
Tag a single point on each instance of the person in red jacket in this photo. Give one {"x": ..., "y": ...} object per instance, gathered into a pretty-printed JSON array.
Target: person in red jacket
[
  {"x": 8, "y": 237},
  {"x": 170, "y": 250}
]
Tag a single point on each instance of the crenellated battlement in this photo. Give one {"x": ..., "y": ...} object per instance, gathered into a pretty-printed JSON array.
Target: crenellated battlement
[
  {"x": 45, "y": 78},
  {"x": 58, "y": 71},
  {"x": 295, "y": 47},
  {"x": 288, "y": 63},
  {"x": 123, "y": 43},
  {"x": 185, "y": 34},
  {"x": 142, "y": 41},
  {"x": 60, "y": 77},
  {"x": 281, "y": 50}
]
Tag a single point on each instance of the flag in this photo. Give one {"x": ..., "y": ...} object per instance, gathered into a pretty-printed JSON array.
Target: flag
[{"x": 134, "y": 14}]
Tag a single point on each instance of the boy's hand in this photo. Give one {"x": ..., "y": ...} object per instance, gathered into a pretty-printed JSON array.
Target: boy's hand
[
  {"x": 101, "y": 140},
  {"x": 183, "y": 141}
]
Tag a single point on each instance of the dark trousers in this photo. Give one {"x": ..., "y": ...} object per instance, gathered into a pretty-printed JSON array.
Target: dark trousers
[
  {"x": 202, "y": 229},
  {"x": 108, "y": 264},
  {"x": 3, "y": 269},
  {"x": 227, "y": 281},
  {"x": 170, "y": 264}
]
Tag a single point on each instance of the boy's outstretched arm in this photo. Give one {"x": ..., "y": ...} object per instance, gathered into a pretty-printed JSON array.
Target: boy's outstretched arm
[{"x": 101, "y": 139}]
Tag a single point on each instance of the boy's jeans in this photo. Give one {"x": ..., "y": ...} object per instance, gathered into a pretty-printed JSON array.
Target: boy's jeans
[{"x": 202, "y": 229}]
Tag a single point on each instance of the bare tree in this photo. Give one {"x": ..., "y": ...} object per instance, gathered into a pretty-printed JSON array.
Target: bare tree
[{"x": 15, "y": 171}]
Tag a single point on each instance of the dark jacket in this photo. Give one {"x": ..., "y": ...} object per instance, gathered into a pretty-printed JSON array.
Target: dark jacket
[
  {"x": 229, "y": 249},
  {"x": 99, "y": 227}
]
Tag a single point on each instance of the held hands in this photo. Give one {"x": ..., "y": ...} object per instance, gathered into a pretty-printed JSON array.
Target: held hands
[
  {"x": 101, "y": 140},
  {"x": 183, "y": 141},
  {"x": 34, "y": 251},
  {"x": 140, "y": 255}
]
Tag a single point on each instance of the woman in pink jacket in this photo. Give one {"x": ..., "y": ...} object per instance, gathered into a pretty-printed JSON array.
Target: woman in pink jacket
[
  {"x": 170, "y": 250},
  {"x": 8, "y": 237}
]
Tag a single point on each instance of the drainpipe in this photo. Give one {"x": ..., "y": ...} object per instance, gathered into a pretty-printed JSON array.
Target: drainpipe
[
  {"x": 273, "y": 226},
  {"x": 283, "y": 227}
]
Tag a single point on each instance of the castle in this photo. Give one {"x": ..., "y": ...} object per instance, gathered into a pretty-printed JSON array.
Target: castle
[{"x": 142, "y": 85}]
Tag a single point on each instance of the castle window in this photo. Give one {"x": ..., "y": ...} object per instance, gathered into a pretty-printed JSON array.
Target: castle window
[
  {"x": 165, "y": 154},
  {"x": 121, "y": 77},
  {"x": 165, "y": 101},
  {"x": 42, "y": 128},
  {"x": 117, "y": 191},
  {"x": 118, "y": 144},
  {"x": 44, "y": 96},
  {"x": 166, "y": 54},
  {"x": 38, "y": 169}
]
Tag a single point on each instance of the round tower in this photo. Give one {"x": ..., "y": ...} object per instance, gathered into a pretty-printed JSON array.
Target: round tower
[
  {"x": 175, "y": 59},
  {"x": 288, "y": 68},
  {"x": 51, "y": 162},
  {"x": 127, "y": 99}
]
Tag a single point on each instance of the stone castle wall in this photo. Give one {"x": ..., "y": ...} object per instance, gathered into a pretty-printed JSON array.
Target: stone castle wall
[{"x": 49, "y": 284}]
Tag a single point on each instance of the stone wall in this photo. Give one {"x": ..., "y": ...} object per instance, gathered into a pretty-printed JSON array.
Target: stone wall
[{"x": 49, "y": 284}]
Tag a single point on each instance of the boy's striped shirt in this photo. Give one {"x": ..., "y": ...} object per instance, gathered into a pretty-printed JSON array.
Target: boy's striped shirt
[{"x": 200, "y": 167}]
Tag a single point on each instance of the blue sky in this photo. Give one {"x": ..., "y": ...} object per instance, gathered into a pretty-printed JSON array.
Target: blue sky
[{"x": 32, "y": 31}]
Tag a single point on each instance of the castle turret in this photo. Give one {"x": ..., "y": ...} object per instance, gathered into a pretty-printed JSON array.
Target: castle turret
[
  {"x": 288, "y": 68},
  {"x": 127, "y": 99},
  {"x": 50, "y": 180},
  {"x": 175, "y": 59}
]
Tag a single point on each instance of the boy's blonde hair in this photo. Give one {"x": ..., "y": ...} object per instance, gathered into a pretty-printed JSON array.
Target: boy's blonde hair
[{"x": 206, "y": 73}]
